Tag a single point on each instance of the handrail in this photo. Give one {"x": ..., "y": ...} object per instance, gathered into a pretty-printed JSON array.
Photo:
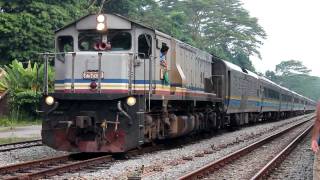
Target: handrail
[
  {"x": 99, "y": 71},
  {"x": 45, "y": 86},
  {"x": 72, "y": 75},
  {"x": 131, "y": 59}
]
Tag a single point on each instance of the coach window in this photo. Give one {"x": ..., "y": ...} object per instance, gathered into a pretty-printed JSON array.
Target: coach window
[
  {"x": 144, "y": 46},
  {"x": 65, "y": 44}
]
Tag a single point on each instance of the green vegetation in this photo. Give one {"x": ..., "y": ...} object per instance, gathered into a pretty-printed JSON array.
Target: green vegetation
[
  {"x": 24, "y": 86},
  {"x": 15, "y": 139},
  {"x": 2, "y": 88},
  {"x": 223, "y": 28},
  {"x": 27, "y": 26},
  {"x": 295, "y": 76},
  {"x": 11, "y": 123}
]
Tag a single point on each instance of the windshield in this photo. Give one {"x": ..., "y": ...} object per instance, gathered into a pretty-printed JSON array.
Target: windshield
[{"x": 119, "y": 40}]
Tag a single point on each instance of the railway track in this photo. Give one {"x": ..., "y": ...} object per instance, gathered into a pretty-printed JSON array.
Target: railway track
[
  {"x": 48, "y": 167},
  {"x": 20, "y": 145},
  {"x": 51, "y": 166},
  {"x": 220, "y": 168},
  {"x": 279, "y": 158}
]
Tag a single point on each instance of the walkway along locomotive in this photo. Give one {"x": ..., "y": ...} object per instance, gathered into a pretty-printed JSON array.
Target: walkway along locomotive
[{"x": 120, "y": 84}]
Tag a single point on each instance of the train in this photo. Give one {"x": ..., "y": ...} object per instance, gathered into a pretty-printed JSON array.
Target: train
[{"x": 120, "y": 84}]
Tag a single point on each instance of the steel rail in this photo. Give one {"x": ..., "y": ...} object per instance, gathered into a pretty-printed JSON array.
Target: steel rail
[
  {"x": 279, "y": 158},
  {"x": 2, "y": 149},
  {"x": 59, "y": 165},
  {"x": 30, "y": 164},
  {"x": 216, "y": 165},
  {"x": 64, "y": 168}
]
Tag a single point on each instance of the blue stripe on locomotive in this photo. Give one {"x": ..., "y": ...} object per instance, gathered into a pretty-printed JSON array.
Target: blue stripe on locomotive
[{"x": 123, "y": 81}]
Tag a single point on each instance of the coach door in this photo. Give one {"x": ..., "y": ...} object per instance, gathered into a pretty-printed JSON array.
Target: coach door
[{"x": 245, "y": 88}]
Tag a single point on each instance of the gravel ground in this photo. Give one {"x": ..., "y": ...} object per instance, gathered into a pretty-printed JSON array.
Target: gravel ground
[
  {"x": 170, "y": 164},
  {"x": 246, "y": 166},
  {"x": 27, "y": 154},
  {"x": 298, "y": 165}
]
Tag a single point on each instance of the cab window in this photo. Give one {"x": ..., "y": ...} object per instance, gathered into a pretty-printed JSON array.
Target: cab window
[
  {"x": 144, "y": 46},
  {"x": 118, "y": 40},
  {"x": 65, "y": 44}
]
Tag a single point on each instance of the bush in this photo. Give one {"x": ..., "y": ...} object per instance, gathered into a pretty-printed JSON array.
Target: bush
[
  {"x": 25, "y": 86},
  {"x": 5, "y": 122},
  {"x": 23, "y": 104}
]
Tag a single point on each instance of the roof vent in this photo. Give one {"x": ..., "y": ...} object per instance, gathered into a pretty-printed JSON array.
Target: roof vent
[{"x": 244, "y": 70}]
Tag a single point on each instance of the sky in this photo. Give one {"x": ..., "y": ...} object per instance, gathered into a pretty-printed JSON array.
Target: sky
[{"x": 293, "y": 32}]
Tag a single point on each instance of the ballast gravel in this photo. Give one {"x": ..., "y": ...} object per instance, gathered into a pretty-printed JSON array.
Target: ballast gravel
[
  {"x": 248, "y": 165},
  {"x": 298, "y": 165},
  {"x": 171, "y": 164},
  {"x": 27, "y": 154}
]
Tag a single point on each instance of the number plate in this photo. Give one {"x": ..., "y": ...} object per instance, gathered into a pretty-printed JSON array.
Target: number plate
[{"x": 92, "y": 75}]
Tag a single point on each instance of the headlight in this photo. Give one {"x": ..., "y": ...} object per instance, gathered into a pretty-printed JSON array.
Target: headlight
[
  {"x": 101, "y": 26},
  {"x": 131, "y": 101},
  {"x": 49, "y": 100},
  {"x": 100, "y": 18}
]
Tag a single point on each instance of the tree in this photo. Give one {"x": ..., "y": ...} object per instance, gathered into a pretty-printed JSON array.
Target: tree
[
  {"x": 271, "y": 75},
  {"x": 286, "y": 68},
  {"x": 243, "y": 61},
  {"x": 295, "y": 76},
  {"x": 221, "y": 27},
  {"x": 25, "y": 86},
  {"x": 27, "y": 26}
]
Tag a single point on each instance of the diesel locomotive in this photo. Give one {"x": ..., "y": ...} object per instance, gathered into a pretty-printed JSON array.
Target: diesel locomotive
[{"x": 116, "y": 89}]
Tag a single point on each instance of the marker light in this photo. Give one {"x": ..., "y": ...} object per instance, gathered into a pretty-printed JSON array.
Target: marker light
[
  {"x": 93, "y": 85},
  {"x": 100, "y": 18},
  {"x": 131, "y": 101},
  {"x": 101, "y": 26},
  {"x": 49, "y": 100}
]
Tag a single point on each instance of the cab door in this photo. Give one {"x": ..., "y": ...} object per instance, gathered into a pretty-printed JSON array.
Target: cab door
[
  {"x": 143, "y": 60},
  {"x": 163, "y": 40}
]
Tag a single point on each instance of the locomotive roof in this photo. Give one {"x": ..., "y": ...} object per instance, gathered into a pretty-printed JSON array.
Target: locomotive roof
[
  {"x": 117, "y": 15},
  {"x": 119, "y": 21}
]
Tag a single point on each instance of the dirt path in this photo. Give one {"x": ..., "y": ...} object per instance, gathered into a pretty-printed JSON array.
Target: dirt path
[{"x": 21, "y": 132}]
